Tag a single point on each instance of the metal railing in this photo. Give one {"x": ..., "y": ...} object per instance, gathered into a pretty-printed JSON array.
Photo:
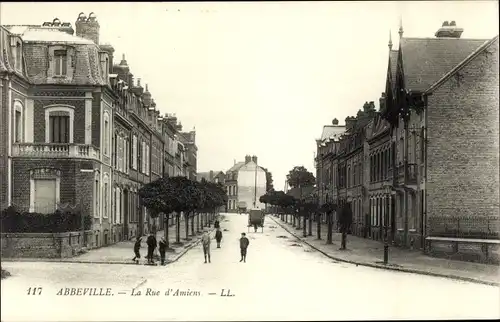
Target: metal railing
[{"x": 478, "y": 227}]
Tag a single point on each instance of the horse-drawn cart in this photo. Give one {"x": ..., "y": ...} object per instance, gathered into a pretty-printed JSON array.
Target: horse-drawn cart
[{"x": 256, "y": 219}]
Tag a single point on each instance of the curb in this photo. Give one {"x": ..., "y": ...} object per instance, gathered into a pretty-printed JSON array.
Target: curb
[{"x": 399, "y": 269}]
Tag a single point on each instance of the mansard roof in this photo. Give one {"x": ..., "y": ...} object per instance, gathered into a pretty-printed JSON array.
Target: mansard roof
[
  {"x": 7, "y": 61},
  {"x": 36, "y": 42},
  {"x": 426, "y": 60}
]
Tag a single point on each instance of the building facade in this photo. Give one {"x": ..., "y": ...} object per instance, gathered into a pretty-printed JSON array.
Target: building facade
[
  {"x": 78, "y": 133},
  {"x": 429, "y": 157},
  {"x": 245, "y": 182}
]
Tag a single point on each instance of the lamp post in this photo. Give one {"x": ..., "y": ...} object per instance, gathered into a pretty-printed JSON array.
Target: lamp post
[{"x": 386, "y": 243}]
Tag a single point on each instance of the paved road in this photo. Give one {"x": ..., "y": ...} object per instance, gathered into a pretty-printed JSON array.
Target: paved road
[{"x": 282, "y": 279}]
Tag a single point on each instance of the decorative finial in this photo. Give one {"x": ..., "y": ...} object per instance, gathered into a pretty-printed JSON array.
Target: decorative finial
[
  {"x": 138, "y": 82},
  {"x": 400, "y": 27},
  {"x": 390, "y": 40},
  {"x": 123, "y": 56}
]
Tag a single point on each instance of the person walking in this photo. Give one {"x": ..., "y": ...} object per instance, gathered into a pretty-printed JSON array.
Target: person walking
[
  {"x": 163, "y": 249},
  {"x": 244, "y": 242},
  {"x": 137, "y": 247},
  {"x": 205, "y": 240},
  {"x": 218, "y": 237},
  {"x": 216, "y": 224},
  {"x": 152, "y": 244}
]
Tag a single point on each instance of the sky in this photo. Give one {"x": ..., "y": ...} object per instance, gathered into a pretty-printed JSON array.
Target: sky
[{"x": 261, "y": 78}]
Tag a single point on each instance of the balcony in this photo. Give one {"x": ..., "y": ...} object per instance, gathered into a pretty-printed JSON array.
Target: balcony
[{"x": 55, "y": 150}]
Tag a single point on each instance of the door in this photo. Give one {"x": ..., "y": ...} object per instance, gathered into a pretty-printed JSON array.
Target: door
[
  {"x": 126, "y": 211},
  {"x": 393, "y": 218},
  {"x": 45, "y": 196}
]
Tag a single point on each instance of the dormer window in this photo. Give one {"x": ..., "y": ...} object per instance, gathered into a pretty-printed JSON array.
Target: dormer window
[
  {"x": 60, "y": 58},
  {"x": 19, "y": 56}
]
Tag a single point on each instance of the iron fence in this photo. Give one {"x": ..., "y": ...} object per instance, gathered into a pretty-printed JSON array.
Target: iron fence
[{"x": 479, "y": 227}]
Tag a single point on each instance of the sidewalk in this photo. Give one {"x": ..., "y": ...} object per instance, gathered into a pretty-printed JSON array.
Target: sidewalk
[
  {"x": 370, "y": 253},
  {"x": 123, "y": 252}
]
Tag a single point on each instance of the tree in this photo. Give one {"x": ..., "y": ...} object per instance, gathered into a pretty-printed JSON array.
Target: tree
[
  {"x": 161, "y": 196},
  {"x": 300, "y": 177},
  {"x": 269, "y": 180},
  {"x": 345, "y": 223},
  {"x": 328, "y": 208}
]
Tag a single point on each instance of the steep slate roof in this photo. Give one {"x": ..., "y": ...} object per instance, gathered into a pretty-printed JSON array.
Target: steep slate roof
[
  {"x": 36, "y": 40},
  {"x": 236, "y": 167},
  {"x": 332, "y": 132},
  {"x": 393, "y": 62},
  {"x": 7, "y": 61},
  {"x": 426, "y": 60},
  {"x": 491, "y": 43}
]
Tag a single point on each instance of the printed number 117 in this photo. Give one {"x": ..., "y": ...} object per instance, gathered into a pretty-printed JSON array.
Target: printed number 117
[{"x": 34, "y": 291}]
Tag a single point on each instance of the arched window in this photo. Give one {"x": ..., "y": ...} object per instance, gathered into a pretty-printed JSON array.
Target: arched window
[{"x": 18, "y": 122}]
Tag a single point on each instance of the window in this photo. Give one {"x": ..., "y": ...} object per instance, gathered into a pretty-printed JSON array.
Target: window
[
  {"x": 19, "y": 57},
  {"x": 126, "y": 162},
  {"x": 117, "y": 205},
  {"x": 59, "y": 128},
  {"x": 147, "y": 159},
  {"x": 106, "y": 133},
  {"x": 60, "y": 59},
  {"x": 45, "y": 196},
  {"x": 143, "y": 157},
  {"x": 106, "y": 198},
  {"x": 106, "y": 65},
  {"x": 19, "y": 127},
  {"x": 134, "y": 152},
  {"x": 97, "y": 194}
]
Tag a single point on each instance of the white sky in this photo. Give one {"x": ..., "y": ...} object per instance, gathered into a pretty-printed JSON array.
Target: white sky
[{"x": 261, "y": 78}]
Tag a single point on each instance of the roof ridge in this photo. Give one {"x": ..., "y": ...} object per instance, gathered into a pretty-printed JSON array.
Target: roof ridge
[
  {"x": 443, "y": 38},
  {"x": 462, "y": 64}
]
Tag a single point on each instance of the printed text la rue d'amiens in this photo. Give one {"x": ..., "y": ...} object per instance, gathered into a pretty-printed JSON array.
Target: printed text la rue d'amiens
[{"x": 96, "y": 291}]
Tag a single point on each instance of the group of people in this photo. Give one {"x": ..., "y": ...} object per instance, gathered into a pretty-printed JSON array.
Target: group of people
[
  {"x": 152, "y": 245},
  {"x": 244, "y": 242},
  {"x": 205, "y": 241}
]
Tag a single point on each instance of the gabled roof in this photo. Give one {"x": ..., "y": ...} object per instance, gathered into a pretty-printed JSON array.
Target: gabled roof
[
  {"x": 491, "y": 43},
  {"x": 426, "y": 60},
  {"x": 393, "y": 64},
  {"x": 236, "y": 167}
]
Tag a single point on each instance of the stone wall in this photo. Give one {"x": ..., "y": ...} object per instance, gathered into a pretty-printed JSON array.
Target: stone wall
[
  {"x": 45, "y": 245},
  {"x": 464, "y": 251}
]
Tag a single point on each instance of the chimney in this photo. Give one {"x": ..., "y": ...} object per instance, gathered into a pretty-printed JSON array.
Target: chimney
[
  {"x": 335, "y": 122},
  {"x": 449, "y": 30},
  {"x": 87, "y": 28},
  {"x": 254, "y": 159},
  {"x": 130, "y": 80},
  {"x": 192, "y": 135},
  {"x": 146, "y": 97},
  {"x": 110, "y": 50},
  {"x": 247, "y": 159},
  {"x": 138, "y": 90},
  {"x": 172, "y": 120},
  {"x": 122, "y": 69},
  {"x": 350, "y": 121},
  {"x": 382, "y": 102}
]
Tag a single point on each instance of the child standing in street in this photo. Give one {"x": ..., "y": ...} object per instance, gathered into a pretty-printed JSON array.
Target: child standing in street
[
  {"x": 218, "y": 237},
  {"x": 163, "y": 249},
  {"x": 206, "y": 246},
  {"x": 137, "y": 246},
  {"x": 244, "y": 242}
]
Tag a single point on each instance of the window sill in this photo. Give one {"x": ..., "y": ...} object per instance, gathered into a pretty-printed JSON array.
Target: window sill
[{"x": 60, "y": 76}]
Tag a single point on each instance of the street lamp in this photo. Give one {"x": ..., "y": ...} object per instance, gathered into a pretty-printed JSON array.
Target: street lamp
[{"x": 386, "y": 243}]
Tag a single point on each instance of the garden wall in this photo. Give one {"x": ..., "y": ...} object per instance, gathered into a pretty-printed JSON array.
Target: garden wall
[{"x": 45, "y": 245}]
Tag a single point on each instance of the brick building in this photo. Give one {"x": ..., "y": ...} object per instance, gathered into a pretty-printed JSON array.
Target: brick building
[
  {"x": 212, "y": 176},
  {"x": 431, "y": 152},
  {"x": 77, "y": 131}
]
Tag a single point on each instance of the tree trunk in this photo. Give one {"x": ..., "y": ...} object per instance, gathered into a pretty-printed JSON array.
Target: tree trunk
[
  {"x": 330, "y": 228},
  {"x": 318, "y": 224},
  {"x": 166, "y": 228},
  {"x": 198, "y": 222},
  {"x": 310, "y": 232},
  {"x": 178, "y": 227},
  {"x": 186, "y": 222},
  {"x": 344, "y": 239},
  {"x": 192, "y": 225},
  {"x": 298, "y": 222},
  {"x": 305, "y": 224}
]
